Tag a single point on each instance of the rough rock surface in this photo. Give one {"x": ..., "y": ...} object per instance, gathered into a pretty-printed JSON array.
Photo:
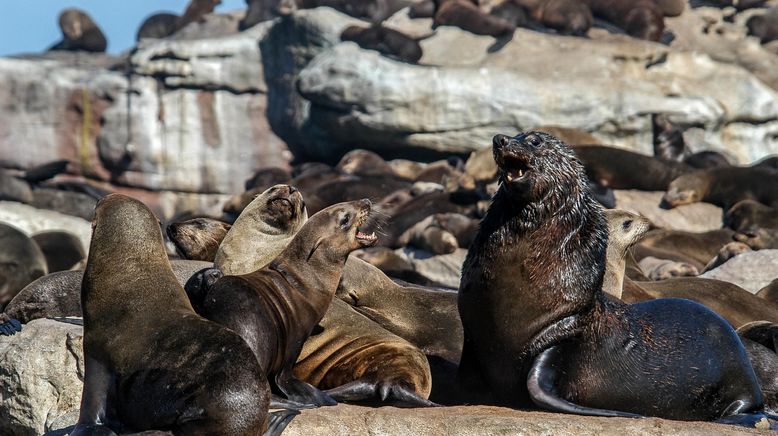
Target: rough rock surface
[
  {"x": 751, "y": 271},
  {"x": 41, "y": 373},
  {"x": 696, "y": 217},
  {"x": 445, "y": 269},
  {"x": 31, "y": 220}
]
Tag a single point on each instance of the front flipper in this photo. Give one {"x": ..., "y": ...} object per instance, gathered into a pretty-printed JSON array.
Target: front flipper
[
  {"x": 92, "y": 430},
  {"x": 278, "y": 420},
  {"x": 361, "y": 390},
  {"x": 541, "y": 384},
  {"x": 301, "y": 392},
  {"x": 9, "y": 327}
]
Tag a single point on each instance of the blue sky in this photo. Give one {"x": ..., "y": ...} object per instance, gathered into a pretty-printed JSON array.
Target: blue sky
[{"x": 29, "y": 26}]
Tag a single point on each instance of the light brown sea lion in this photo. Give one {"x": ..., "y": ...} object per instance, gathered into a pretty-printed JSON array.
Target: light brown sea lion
[
  {"x": 246, "y": 239},
  {"x": 79, "y": 32},
  {"x": 198, "y": 238},
  {"x": 282, "y": 302},
  {"x": 572, "y": 342},
  {"x": 724, "y": 187},
  {"x": 624, "y": 230},
  {"x": 151, "y": 363},
  {"x": 21, "y": 262}
]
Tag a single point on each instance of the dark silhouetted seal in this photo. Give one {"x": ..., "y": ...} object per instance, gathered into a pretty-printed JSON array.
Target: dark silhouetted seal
[
  {"x": 538, "y": 329},
  {"x": 21, "y": 262},
  {"x": 623, "y": 169},
  {"x": 63, "y": 250},
  {"x": 639, "y": 18},
  {"x": 384, "y": 40},
  {"x": 151, "y": 363},
  {"x": 79, "y": 32},
  {"x": 724, "y": 187},
  {"x": 198, "y": 238},
  {"x": 281, "y": 303},
  {"x": 569, "y": 17}
]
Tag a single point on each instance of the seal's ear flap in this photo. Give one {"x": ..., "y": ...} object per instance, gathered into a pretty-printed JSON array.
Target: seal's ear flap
[{"x": 315, "y": 246}]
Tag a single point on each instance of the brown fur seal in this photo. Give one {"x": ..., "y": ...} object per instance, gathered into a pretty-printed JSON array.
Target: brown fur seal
[
  {"x": 671, "y": 8},
  {"x": 567, "y": 135},
  {"x": 724, "y": 187},
  {"x": 372, "y": 10},
  {"x": 756, "y": 224},
  {"x": 244, "y": 243},
  {"x": 79, "y": 32},
  {"x": 270, "y": 219},
  {"x": 769, "y": 292},
  {"x": 764, "y": 26},
  {"x": 267, "y": 177},
  {"x": 569, "y": 17},
  {"x": 199, "y": 238},
  {"x": 760, "y": 338},
  {"x": 622, "y": 169},
  {"x": 384, "y": 40},
  {"x": 281, "y": 303},
  {"x": 151, "y": 363},
  {"x": 21, "y": 262},
  {"x": 468, "y": 16},
  {"x": 63, "y": 250},
  {"x": 163, "y": 25},
  {"x": 624, "y": 230},
  {"x": 539, "y": 257},
  {"x": 707, "y": 159},
  {"x": 639, "y": 18},
  {"x": 696, "y": 249}
]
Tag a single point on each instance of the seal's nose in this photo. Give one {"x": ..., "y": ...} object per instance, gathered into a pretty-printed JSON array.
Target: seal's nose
[{"x": 500, "y": 141}]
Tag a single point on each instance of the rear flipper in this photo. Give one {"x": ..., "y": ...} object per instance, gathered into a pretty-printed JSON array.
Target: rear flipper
[
  {"x": 541, "y": 384},
  {"x": 277, "y": 402},
  {"x": 9, "y": 327},
  {"x": 301, "y": 392},
  {"x": 278, "y": 420},
  {"x": 751, "y": 420},
  {"x": 361, "y": 390}
]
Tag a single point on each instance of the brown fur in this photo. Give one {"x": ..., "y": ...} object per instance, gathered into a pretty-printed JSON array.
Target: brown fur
[
  {"x": 80, "y": 32},
  {"x": 199, "y": 238},
  {"x": 639, "y": 18},
  {"x": 724, "y": 187}
]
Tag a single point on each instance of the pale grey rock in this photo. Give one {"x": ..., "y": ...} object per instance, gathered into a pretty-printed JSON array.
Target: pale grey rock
[
  {"x": 695, "y": 217},
  {"x": 31, "y": 221},
  {"x": 41, "y": 373},
  {"x": 751, "y": 271}
]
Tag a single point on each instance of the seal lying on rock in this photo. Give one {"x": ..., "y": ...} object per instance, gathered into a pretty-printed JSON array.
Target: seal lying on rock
[
  {"x": 79, "y": 32},
  {"x": 275, "y": 308},
  {"x": 198, "y": 238},
  {"x": 150, "y": 362},
  {"x": 539, "y": 259},
  {"x": 724, "y": 187}
]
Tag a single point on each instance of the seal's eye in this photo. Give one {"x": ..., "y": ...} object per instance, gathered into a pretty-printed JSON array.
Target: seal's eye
[
  {"x": 344, "y": 219},
  {"x": 626, "y": 224},
  {"x": 533, "y": 141}
]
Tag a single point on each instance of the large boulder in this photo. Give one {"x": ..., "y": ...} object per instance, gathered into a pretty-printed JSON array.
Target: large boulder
[
  {"x": 31, "y": 220},
  {"x": 472, "y": 87},
  {"x": 41, "y": 376},
  {"x": 695, "y": 217}
]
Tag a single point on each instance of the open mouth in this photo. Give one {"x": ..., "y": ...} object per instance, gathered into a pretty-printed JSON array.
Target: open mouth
[
  {"x": 364, "y": 236},
  {"x": 514, "y": 167}
]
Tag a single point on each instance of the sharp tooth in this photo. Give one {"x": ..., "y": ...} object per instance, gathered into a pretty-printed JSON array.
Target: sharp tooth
[
  {"x": 509, "y": 177},
  {"x": 521, "y": 173}
]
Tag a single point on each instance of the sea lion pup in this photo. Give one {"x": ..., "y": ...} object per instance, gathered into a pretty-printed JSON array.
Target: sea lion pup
[
  {"x": 281, "y": 303},
  {"x": 543, "y": 244},
  {"x": 624, "y": 230},
  {"x": 79, "y": 32},
  {"x": 199, "y": 238},
  {"x": 63, "y": 250},
  {"x": 21, "y": 262},
  {"x": 384, "y": 40},
  {"x": 639, "y": 18},
  {"x": 568, "y": 17},
  {"x": 163, "y": 24},
  {"x": 623, "y": 169},
  {"x": 468, "y": 16},
  {"x": 151, "y": 363},
  {"x": 271, "y": 218},
  {"x": 724, "y": 187}
]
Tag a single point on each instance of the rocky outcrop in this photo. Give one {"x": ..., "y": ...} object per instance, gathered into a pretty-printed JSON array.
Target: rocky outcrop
[
  {"x": 751, "y": 271},
  {"x": 445, "y": 269},
  {"x": 31, "y": 221},
  {"x": 695, "y": 217},
  {"x": 41, "y": 375}
]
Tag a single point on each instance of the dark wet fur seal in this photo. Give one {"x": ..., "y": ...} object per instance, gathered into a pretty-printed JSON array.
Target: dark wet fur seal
[
  {"x": 63, "y": 250},
  {"x": 468, "y": 16},
  {"x": 639, "y": 18},
  {"x": 573, "y": 343},
  {"x": 384, "y": 40},
  {"x": 267, "y": 177},
  {"x": 668, "y": 139},
  {"x": 198, "y": 238},
  {"x": 275, "y": 308},
  {"x": 79, "y": 32},
  {"x": 724, "y": 187},
  {"x": 151, "y": 363},
  {"x": 622, "y": 169},
  {"x": 707, "y": 159},
  {"x": 21, "y": 262}
]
